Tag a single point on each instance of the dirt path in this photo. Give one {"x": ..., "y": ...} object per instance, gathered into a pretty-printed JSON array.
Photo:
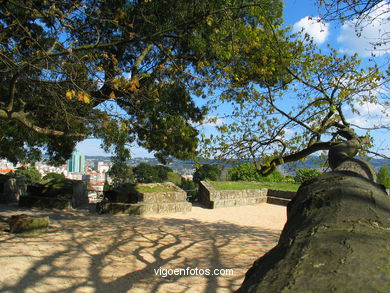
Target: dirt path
[{"x": 84, "y": 252}]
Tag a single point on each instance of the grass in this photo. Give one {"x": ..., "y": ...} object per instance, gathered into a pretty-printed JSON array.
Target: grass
[
  {"x": 155, "y": 188},
  {"x": 239, "y": 185}
]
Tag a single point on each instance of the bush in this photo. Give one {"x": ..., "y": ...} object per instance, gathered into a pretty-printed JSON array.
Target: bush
[
  {"x": 207, "y": 172},
  {"x": 303, "y": 175},
  {"x": 383, "y": 176},
  {"x": 162, "y": 172},
  {"x": 30, "y": 174},
  {"x": 189, "y": 186},
  {"x": 50, "y": 176},
  {"x": 173, "y": 177},
  {"x": 248, "y": 172},
  {"x": 120, "y": 173},
  {"x": 145, "y": 173}
]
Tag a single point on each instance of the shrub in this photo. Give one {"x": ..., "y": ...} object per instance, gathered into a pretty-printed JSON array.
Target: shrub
[
  {"x": 383, "y": 176},
  {"x": 145, "y": 173},
  {"x": 189, "y": 186},
  {"x": 173, "y": 177},
  {"x": 162, "y": 173},
  {"x": 30, "y": 174},
  {"x": 248, "y": 172},
  {"x": 207, "y": 172},
  {"x": 50, "y": 176},
  {"x": 120, "y": 173},
  {"x": 303, "y": 175}
]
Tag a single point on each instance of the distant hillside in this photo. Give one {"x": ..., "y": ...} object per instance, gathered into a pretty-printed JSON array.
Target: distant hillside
[{"x": 188, "y": 166}]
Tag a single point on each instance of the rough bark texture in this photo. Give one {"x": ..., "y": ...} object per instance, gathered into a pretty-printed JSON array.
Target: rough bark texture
[{"x": 336, "y": 239}]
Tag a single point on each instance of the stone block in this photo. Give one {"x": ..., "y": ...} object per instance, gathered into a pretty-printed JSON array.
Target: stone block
[
  {"x": 44, "y": 202},
  {"x": 28, "y": 224},
  {"x": 212, "y": 198}
]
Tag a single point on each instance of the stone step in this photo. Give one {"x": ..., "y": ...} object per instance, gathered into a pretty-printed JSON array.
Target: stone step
[
  {"x": 278, "y": 200},
  {"x": 145, "y": 208},
  {"x": 44, "y": 202},
  {"x": 235, "y": 202},
  {"x": 162, "y": 197}
]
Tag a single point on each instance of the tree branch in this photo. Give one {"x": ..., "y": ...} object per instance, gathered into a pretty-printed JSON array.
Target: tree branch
[
  {"x": 21, "y": 117},
  {"x": 266, "y": 170}
]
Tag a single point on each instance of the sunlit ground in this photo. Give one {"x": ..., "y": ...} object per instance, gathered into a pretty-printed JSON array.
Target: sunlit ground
[{"x": 84, "y": 252}]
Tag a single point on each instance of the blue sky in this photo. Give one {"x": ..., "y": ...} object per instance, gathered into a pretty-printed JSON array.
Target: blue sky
[{"x": 341, "y": 37}]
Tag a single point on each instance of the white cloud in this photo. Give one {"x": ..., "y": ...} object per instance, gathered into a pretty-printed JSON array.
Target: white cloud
[
  {"x": 313, "y": 26},
  {"x": 371, "y": 27},
  {"x": 213, "y": 121},
  {"x": 371, "y": 115}
]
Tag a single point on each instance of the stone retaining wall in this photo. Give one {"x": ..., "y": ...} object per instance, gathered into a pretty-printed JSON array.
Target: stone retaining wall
[
  {"x": 212, "y": 198},
  {"x": 151, "y": 203},
  {"x": 78, "y": 196}
]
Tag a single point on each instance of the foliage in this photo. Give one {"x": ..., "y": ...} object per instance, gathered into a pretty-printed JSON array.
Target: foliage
[
  {"x": 120, "y": 173},
  {"x": 123, "y": 71},
  {"x": 175, "y": 178},
  {"x": 361, "y": 14},
  {"x": 106, "y": 186},
  {"x": 248, "y": 172},
  {"x": 30, "y": 174},
  {"x": 303, "y": 175},
  {"x": 345, "y": 10},
  {"x": 145, "y": 173},
  {"x": 240, "y": 185},
  {"x": 162, "y": 172},
  {"x": 155, "y": 188},
  {"x": 56, "y": 176},
  {"x": 190, "y": 187},
  {"x": 280, "y": 123},
  {"x": 207, "y": 172},
  {"x": 383, "y": 176}
]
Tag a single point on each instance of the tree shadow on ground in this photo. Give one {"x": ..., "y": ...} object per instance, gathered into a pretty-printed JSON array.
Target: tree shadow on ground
[{"x": 83, "y": 252}]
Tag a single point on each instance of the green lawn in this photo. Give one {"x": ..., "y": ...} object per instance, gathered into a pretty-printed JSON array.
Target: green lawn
[
  {"x": 239, "y": 185},
  {"x": 155, "y": 188}
]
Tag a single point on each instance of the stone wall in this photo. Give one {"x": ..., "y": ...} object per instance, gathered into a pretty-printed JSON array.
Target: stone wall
[
  {"x": 80, "y": 194},
  {"x": 13, "y": 189},
  {"x": 77, "y": 196},
  {"x": 212, "y": 198},
  {"x": 151, "y": 203}
]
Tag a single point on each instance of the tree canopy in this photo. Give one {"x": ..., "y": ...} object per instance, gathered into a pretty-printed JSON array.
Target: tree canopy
[
  {"x": 360, "y": 14},
  {"x": 279, "y": 123},
  {"x": 124, "y": 71}
]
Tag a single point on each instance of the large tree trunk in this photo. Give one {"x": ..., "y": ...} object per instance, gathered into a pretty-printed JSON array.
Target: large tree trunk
[{"x": 336, "y": 239}]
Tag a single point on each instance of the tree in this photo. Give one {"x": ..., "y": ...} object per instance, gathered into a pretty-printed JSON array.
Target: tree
[
  {"x": 360, "y": 14},
  {"x": 279, "y": 123},
  {"x": 303, "y": 175},
  {"x": 346, "y": 10},
  {"x": 123, "y": 71},
  {"x": 30, "y": 174},
  {"x": 53, "y": 176},
  {"x": 121, "y": 173},
  {"x": 383, "y": 176},
  {"x": 248, "y": 172},
  {"x": 207, "y": 172}
]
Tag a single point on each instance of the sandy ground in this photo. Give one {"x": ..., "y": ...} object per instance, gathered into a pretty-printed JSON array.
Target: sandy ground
[{"x": 86, "y": 252}]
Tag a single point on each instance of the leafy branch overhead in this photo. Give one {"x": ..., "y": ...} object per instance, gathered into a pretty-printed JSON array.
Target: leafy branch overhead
[
  {"x": 280, "y": 123},
  {"x": 124, "y": 71}
]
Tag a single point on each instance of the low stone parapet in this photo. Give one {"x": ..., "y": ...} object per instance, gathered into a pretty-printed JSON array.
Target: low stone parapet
[
  {"x": 212, "y": 198},
  {"x": 144, "y": 208},
  {"x": 281, "y": 193},
  {"x": 41, "y": 202},
  {"x": 150, "y": 203}
]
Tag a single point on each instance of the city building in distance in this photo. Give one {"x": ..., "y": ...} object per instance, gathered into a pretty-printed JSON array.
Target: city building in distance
[{"x": 76, "y": 163}]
